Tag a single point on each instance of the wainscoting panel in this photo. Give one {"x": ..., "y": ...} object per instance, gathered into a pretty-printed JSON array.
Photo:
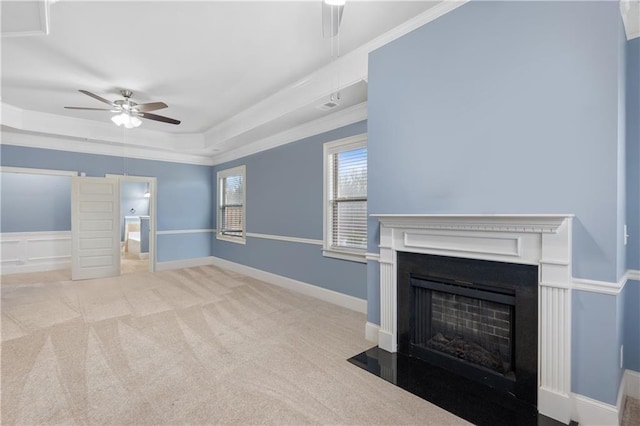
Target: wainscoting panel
[{"x": 34, "y": 251}]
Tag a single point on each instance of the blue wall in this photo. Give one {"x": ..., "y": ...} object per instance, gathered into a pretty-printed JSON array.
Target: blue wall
[
  {"x": 184, "y": 246},
  {"x": 284, "y": 198},
  {"x": 631, "y": 294},
  {"x": 373, "y": 291},
  {"x": 633, "y": 153},
  {"x": 595, "y": 370},
  {"x": 631, "y": 321},
  {"x": 35, "y": 203},
  {"x": 621, "y": 192},
  {"x": 486, "y": 113},
  {"x": 512, "y": 107},
  {"x": 601, "y": 325},
  {"x": 184, "y": 194}
]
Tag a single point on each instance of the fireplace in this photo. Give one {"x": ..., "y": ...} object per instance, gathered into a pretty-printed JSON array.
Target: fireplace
[
  {"x": 538, "y": 241},
  {"x": 475, "y": 318},
  {"x": 470, "y": 329}
]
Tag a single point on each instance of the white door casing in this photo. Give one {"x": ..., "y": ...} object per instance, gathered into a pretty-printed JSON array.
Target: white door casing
[{"x": 95, "y": 207}]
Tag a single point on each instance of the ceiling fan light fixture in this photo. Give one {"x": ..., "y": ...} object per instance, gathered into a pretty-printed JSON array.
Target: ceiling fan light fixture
[
  {"x": 135, "y": 121},
  {"x": 128, "y": 112},
  {"x": 126, "y": 120}
]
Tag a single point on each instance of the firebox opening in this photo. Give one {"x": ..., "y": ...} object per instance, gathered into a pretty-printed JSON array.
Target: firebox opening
[
  {"x": 475, "y": 318},
  {"x": 467, "y": 324}
]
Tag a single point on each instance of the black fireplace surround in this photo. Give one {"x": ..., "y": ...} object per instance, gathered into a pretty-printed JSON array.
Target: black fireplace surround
[{"x": 497, "y": 303}]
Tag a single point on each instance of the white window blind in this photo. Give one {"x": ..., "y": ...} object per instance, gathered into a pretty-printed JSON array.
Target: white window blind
[
  {"x": 231, "y": 199},
  {"x": 347, "y": 197}
]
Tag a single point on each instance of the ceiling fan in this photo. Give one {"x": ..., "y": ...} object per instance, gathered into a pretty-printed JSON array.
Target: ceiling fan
[{"x": 129, "y": 111}]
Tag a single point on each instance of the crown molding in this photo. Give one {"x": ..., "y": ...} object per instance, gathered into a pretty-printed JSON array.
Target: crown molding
[
  {"x": 630, "y": 10},
  {"x": 61, "y": 143},
  {"x": 329, "y": 122},
  {"x": 14, "y": 132},
  {"x": 42, "y": 130},
  {"x": 91, "y": 130}
]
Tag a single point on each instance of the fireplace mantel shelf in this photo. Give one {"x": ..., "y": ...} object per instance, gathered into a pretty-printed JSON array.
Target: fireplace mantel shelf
[{"x": 525, "y": 223}]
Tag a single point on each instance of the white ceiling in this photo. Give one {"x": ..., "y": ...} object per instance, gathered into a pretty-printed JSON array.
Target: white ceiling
[{"x": 214, "y": 63}]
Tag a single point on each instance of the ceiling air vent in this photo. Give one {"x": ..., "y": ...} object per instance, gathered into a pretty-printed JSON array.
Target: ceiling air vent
[
  {"x": 334, "y": 101},
  {"x": 327, "y": 106}
]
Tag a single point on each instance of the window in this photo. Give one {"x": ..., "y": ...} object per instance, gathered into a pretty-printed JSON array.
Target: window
[
  {"x": 231, "y": 205},
  {"x": 345, "y": 198}
]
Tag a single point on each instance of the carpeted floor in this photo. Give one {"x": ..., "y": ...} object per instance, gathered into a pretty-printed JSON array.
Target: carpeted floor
[
  {"x": 631, "y": 413},
  {"x": 197, "y": 346},
  {"x": 130, "y": 263}
]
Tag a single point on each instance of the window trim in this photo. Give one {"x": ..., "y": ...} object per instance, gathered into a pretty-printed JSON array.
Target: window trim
[
  {"x": 239, "y": 170},
  {"x": 329, "y": 148}
]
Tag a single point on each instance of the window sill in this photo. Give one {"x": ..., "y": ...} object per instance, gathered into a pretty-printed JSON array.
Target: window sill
[
  {"x": 352, "y": 256},
  {"x": 237, "y": 240}
]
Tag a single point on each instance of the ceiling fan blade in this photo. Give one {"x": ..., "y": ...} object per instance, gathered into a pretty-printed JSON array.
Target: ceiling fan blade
[
  {"x": 152, "y": 106},
  {"x": 91, "y": 109},
  {"x": 94, "y": 96},
  {"x": 157, "y": 117},
  {"x": 331, "y": 18}
]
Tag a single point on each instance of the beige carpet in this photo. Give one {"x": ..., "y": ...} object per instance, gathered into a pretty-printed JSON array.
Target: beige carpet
[
  {"x": 631, "y": 413},
  {"x": 191, "y": 346},
  {"x": 130, "y": 263}
]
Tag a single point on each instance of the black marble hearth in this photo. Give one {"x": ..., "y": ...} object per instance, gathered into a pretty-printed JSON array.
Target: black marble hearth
[{"x": 465, "y": 398}]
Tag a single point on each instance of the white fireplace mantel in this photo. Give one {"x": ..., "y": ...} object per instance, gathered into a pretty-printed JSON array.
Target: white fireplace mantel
[{"x": 542, "y": 240}]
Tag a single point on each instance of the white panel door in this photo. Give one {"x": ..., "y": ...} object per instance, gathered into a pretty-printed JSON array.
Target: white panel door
[{"x": 95, "y": 226}]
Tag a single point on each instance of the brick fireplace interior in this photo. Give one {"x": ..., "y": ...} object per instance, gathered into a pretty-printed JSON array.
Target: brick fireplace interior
[{"x": 475, "y": 318}]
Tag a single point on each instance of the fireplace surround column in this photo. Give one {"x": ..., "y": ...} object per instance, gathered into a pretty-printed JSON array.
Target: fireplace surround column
[{"x": 542, "y": 240}]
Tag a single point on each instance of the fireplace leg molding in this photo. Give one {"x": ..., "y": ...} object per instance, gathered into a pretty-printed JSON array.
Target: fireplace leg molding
[
  {"x": 543, "y": 240},
  {"x": 387, "y": 338}
]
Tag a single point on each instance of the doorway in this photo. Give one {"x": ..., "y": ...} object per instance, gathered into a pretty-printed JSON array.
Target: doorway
[{"x": 137, "y": 223}]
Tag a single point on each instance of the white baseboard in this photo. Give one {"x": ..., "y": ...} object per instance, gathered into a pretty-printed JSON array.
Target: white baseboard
[
  {"x": 344, "y": 300},
  {"x": 22, "y": 252},
  {"x": 185, "y": 263},
  {"x": 386, "y": 341},
  {"x": 632, "y": 384},
  {"x": 371, "y": 331},
  {"x": 622, "y": 392},
  {"x": 590, "y": 412},
  {"x": 555, "y": 405}
]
